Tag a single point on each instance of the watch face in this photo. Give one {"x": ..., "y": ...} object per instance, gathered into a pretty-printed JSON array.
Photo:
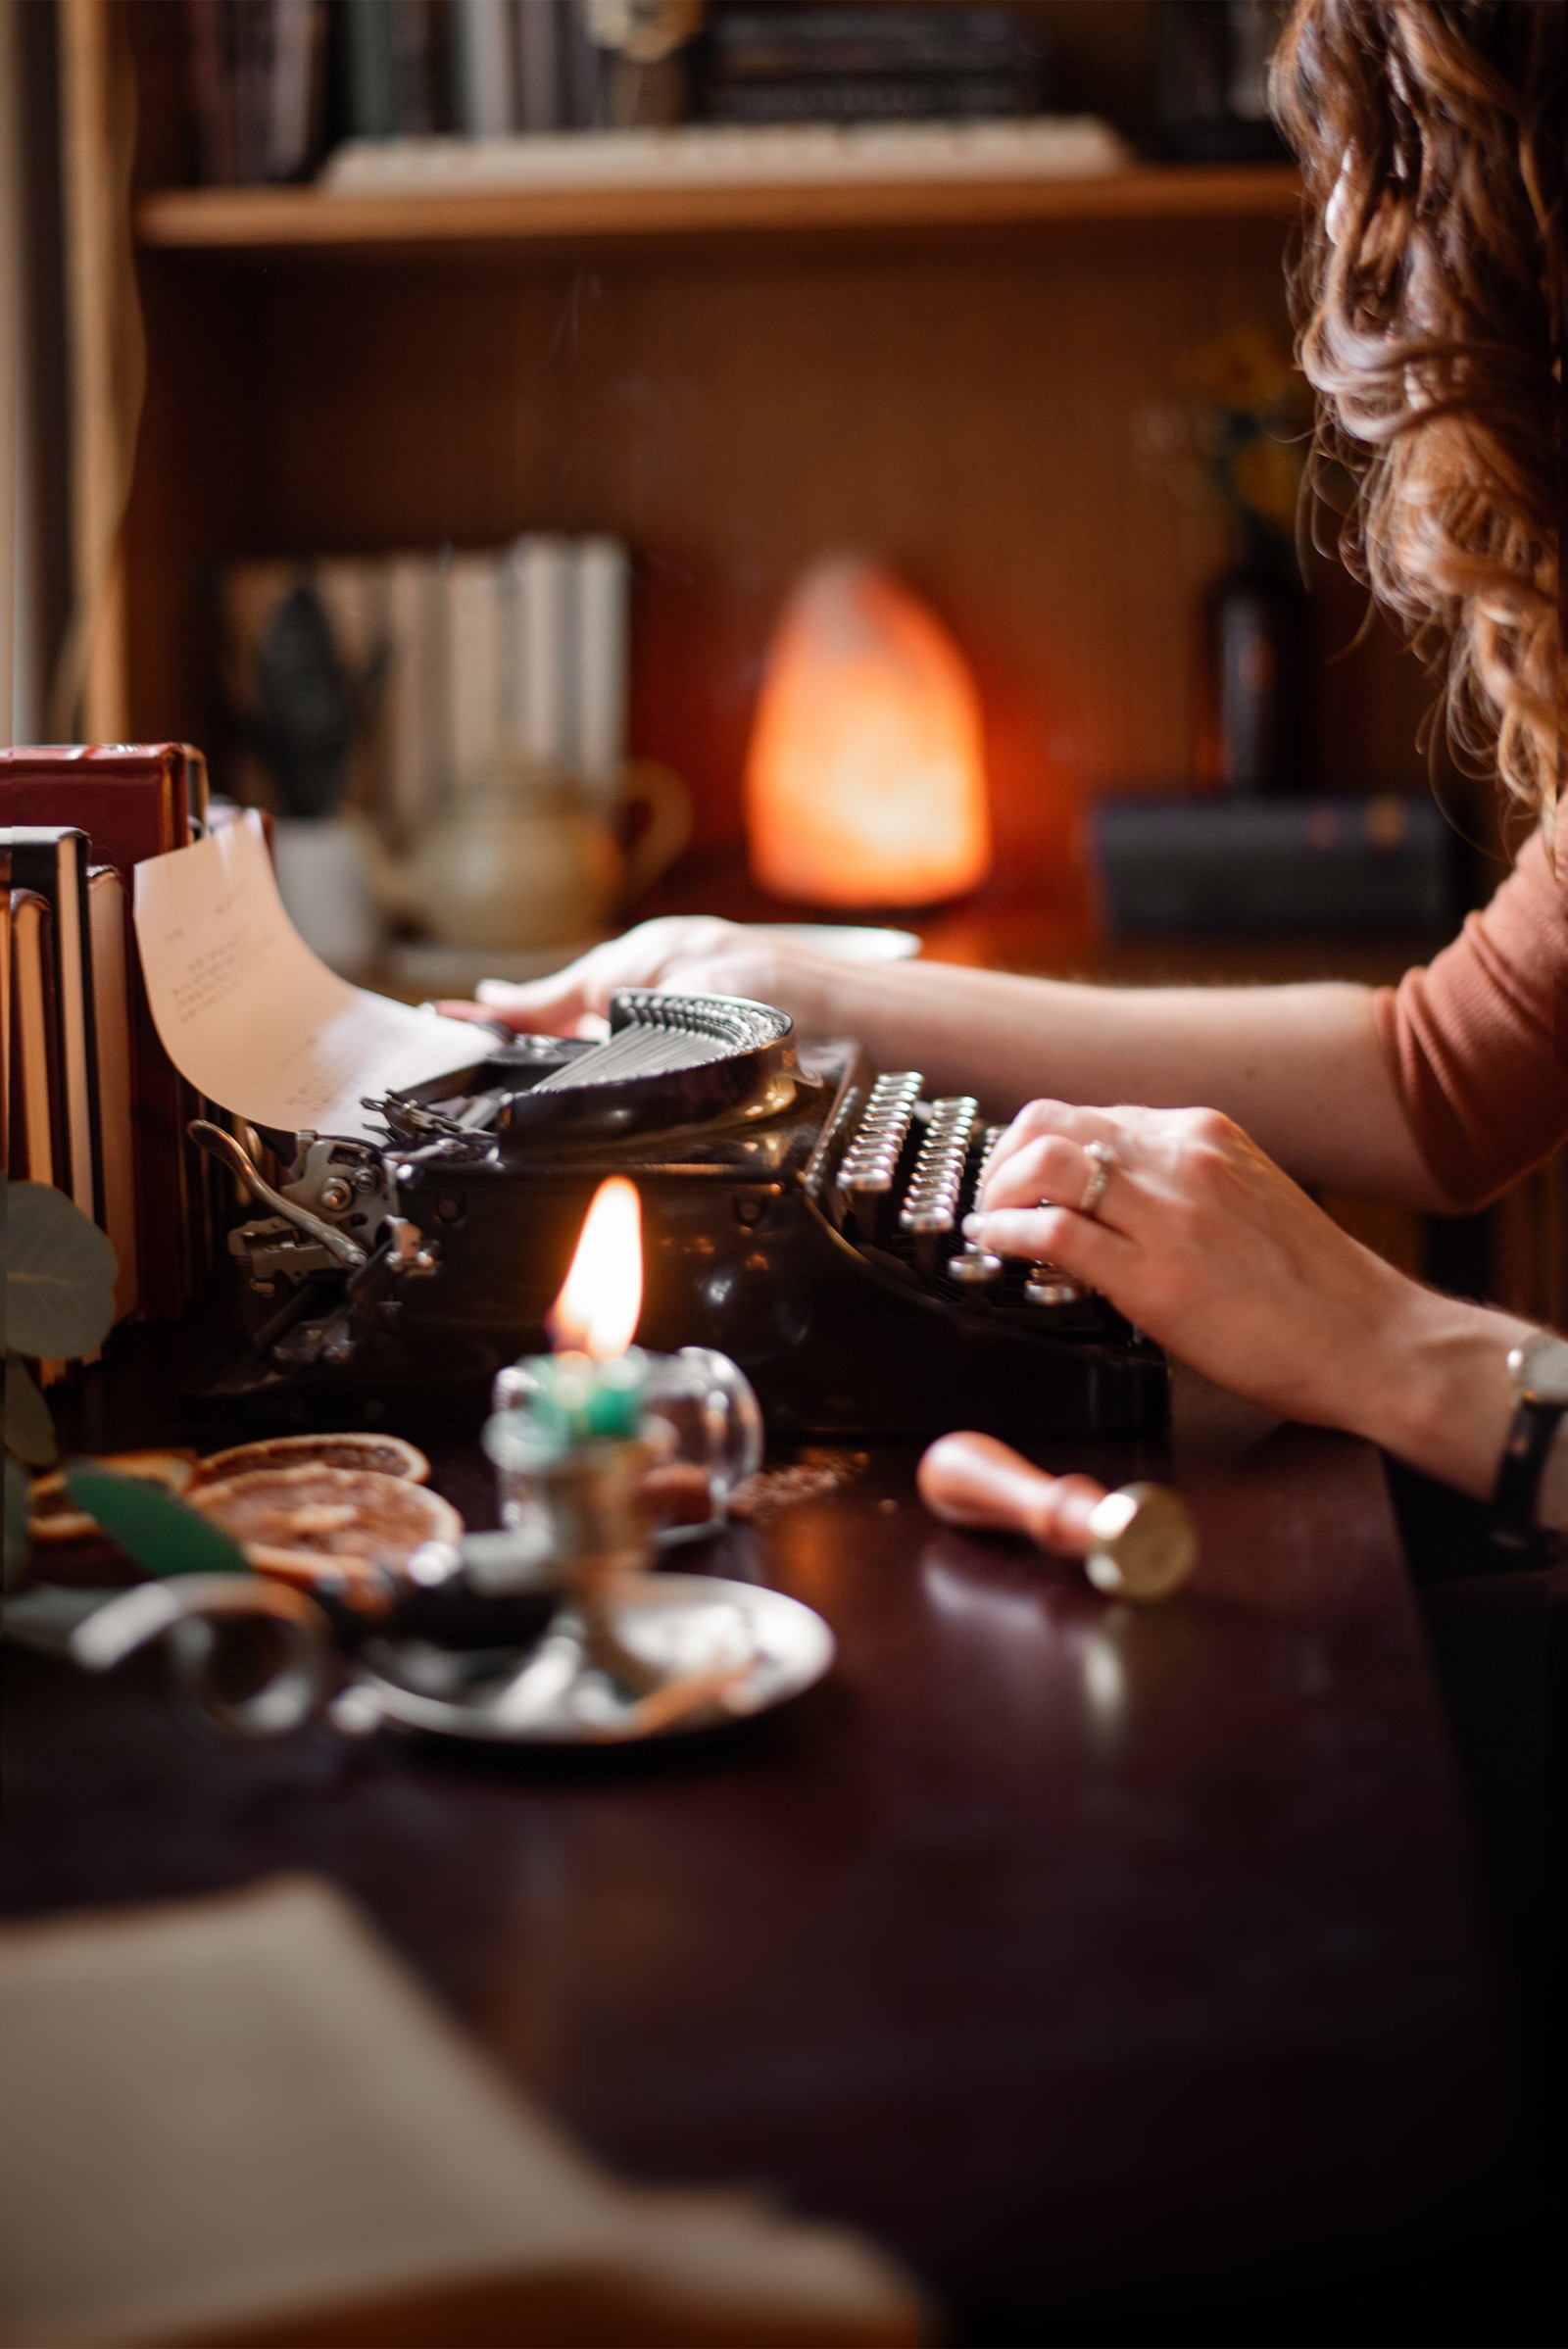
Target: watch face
[{"x": 1540, "y": 1370}]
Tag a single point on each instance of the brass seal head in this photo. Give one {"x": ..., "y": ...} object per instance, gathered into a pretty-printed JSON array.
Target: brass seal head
[{"x": 1143, "y": 1543}]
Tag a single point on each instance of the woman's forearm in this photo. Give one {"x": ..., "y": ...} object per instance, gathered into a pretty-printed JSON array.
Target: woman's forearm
[
  {"x": 1298, "y": 1067},
  {"x": 1434, "y": 1387}
]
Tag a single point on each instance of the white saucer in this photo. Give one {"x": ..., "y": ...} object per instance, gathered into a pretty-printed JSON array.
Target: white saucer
[
  {"x": 686, "y": 1623},
  {"x": 850, "y": 942}
]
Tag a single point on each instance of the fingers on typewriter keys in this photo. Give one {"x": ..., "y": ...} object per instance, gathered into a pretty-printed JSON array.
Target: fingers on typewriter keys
[
  {"x": 1046, "y": 1286},
  {"x": 1050, "y": 1287},
  {"x": 977, "y": 1267}
]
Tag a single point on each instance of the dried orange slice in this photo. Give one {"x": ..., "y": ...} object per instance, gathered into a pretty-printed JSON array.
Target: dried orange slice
[
  {"x": 383, "y": 1456},
  {"x": 53, "y": 1517},
  {"x": 314, "y": 1523}
]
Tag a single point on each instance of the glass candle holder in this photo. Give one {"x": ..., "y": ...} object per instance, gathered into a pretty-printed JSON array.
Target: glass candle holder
[{"x": 701, "y": 1419}]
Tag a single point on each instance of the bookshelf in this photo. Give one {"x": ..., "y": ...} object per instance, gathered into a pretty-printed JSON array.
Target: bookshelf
[
  {"x": 948, "y": 371},
  {"x": 240, "y": 220},
  {"x": 732, "y": 379}
]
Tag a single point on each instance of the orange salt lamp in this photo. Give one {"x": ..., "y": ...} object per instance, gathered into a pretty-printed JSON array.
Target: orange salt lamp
[{"x": 864, "y": 781}]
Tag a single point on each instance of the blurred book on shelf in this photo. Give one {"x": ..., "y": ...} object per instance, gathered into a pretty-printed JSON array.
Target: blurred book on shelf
[
  {"x": 1211, "y": 91},
  {"x": 276, "y": 86},
  {"x": 870, "y": 64},
  {"x": 391, "y": 58},
  {"x": 258, "y": 85},
  {"x": 389, "y": 683},
  {"x": 709, "y": 155},
  {"x": 1249, "y": 866},
  {"x": 274, "y": 83},
  {"x": 442, "y": 741},
  {"x": 479, "y": 69}
]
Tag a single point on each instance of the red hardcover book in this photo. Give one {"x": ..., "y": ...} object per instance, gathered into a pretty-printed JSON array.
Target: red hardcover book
[{"x": 135, "y": 801}]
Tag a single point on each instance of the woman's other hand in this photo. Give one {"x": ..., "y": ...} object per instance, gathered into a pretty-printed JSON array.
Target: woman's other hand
[
  {"x": 685, "y": 953},
  {"x": 1201, "y": 1240}
]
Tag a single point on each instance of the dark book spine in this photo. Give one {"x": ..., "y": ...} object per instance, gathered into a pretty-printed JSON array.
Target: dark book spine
[
  {"x": 786, "y": 44},
  {"x": 879, "y": 98},
  {"x": 54, "y": 861},
  {"x": 211, "y": 90},
  {"x": 5, "y": 1008},
  {"x": 582, "y": 69},
  {"x": 368, "y": 75}
]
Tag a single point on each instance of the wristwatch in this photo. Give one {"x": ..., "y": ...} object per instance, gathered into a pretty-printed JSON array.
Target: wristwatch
[{"x": 1537, "y": 1373}]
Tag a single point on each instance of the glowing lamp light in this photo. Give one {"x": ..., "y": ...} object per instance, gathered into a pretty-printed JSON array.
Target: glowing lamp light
[
  {"x": 864, "y": 781},
  {"x": 596, "y": 1312}
]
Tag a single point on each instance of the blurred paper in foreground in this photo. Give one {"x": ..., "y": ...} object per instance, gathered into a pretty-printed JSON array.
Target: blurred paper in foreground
[
  {"x": 251, "y": 1017},
  {"x": 240, "y": 2118}
]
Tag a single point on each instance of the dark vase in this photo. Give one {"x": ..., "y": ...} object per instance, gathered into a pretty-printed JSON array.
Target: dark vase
[{"x": 1258, "y": 717}]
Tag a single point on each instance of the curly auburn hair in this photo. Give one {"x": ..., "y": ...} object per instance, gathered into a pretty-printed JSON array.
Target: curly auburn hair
[{"x": 1429, "y": 292}]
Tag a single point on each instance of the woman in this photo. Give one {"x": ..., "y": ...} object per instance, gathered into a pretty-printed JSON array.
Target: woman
[{"x": 1430, "y": 289}]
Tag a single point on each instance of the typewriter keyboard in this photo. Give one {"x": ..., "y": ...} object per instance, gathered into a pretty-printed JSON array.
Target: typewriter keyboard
[{"x": 908, "y": 1173}]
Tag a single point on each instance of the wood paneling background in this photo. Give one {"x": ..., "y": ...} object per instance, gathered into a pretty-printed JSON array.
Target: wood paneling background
[{"x": 965, "y": 409}]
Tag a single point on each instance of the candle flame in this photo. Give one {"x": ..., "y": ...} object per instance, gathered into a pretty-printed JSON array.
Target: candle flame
[{"x": 596, "y": 1312}]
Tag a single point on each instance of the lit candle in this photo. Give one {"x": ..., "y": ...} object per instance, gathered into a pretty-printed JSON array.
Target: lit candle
[{"x": 591, "y": 1388}]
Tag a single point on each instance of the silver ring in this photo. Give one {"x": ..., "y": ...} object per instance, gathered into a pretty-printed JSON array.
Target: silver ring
[{"x": 1101, "y": 1159}]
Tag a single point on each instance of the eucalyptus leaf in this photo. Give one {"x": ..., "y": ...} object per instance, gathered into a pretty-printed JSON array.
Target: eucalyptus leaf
[
  {"x": 164, "y": 1536},
  {"x": 16, "y": 1548},
  {"x": 29, "y": 1429},
  {"x": 60, "y": 1275}
]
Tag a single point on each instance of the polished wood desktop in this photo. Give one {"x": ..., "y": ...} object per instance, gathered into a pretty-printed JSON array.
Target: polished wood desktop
[{"x": 1096, "y": 1961}]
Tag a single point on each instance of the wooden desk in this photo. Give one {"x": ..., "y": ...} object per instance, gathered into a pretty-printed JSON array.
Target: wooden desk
[{"x": 1094, "y": 1960}]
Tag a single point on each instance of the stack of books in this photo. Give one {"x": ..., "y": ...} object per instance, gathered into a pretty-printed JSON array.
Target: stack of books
[
  {"x": 273, "y": 81},
  {"x": 93, "y": 1104},
  {"x": 871, "y": 65},
  {"x": 481, "y": 68},
  {"x": 1384, "y": 861},
  {"x": 258, "y": 81},
  {"x": 273, "y": 85},
  {"x": 446, "y": 668}
]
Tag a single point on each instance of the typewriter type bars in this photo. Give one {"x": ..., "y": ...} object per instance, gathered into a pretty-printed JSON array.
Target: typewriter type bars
[
  {"x": 662, "y": 1032},
  {"x": 669, "y": 1061}
]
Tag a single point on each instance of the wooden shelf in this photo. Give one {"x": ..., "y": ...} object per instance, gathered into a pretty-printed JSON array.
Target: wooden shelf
[{"x": 271, "y": 220}]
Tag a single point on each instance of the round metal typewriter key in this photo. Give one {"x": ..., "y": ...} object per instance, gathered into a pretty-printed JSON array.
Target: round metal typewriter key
[
  {"x": 1050, "y": 1287},
  {"x": 975, "y": 1268}
]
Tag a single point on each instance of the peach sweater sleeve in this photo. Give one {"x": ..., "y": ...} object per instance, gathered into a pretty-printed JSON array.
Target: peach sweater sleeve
[{"x": 1478, "y": 1042}]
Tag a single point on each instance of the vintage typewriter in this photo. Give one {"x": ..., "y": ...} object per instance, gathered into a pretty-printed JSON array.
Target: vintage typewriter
[{"x": 801, "y": 1213}]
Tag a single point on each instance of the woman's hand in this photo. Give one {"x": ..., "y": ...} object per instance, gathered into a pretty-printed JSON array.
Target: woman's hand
[
  {"x": 685, "y": 953},
  {"x": 1201, "y": 1240}
]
